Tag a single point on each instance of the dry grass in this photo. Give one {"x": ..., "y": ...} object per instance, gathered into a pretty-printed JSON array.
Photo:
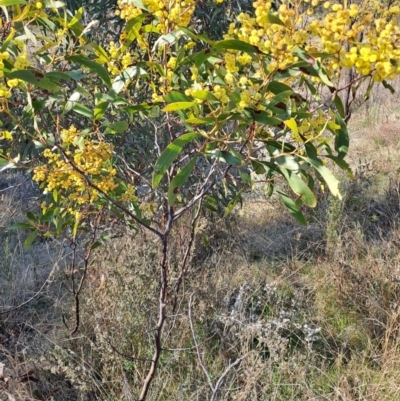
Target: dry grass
[{"x": 314, "y": 311}]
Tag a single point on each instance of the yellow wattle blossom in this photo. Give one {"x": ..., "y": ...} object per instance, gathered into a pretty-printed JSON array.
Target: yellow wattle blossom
[
  {"x": 85, "y": 159},
  {"x": 340, "y": 28},
  {"x": 169, "y": 13},
  {"x": 5, "y": 135},
  {"x": 171, "y": 63},
  {"x": 12, "y": 83},
  {"x": 5, "y": 92},
  {"x": 21, "y": 62},
  {"x": 220, "y": 93}
]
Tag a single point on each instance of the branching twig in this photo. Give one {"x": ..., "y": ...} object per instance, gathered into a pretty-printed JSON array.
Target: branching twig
[
  {"x": 205, "y": 188},
  {"x": 205, "y": 371},
  {"x": 214, "y": 389},
  {"x": 86, "y": 261},
  {"x": 222, "y": 377}
]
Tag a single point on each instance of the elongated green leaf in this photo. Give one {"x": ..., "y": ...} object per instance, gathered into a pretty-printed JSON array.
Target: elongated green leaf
[
  {"x": 288, "y": 162},
  {"x": 76, "y": 75},
  {"x": 170, "y": 153},
  {"x": 310, "y": 86},
  {"x": 92, "y": 65},
  {"x": 139, "y": 4},
  {"x": 269, "y": 189},
  {"x": 134, "y": 109},
  {"x": 178, "y": 106},
  {"x": 292, "y": 208},
  {"x": 83, "y": 110},
  {"x": 280, "y": 97},
  {"x": 291, "y": 123},
  {"x": 128, "y": 74},
  {"x": 322, "y": 73},
  {"x": 313, "y": 66},
  {"x": 168, "y": 39},
  {"x": 100, "y": 109},
  {"x": 76, "y": 18},
  {"x": 29, "y": 34},
  {"x": 233, "y": 203},
  {"x": 258, "y": 167},
  {"x": 118, "y": 127},
  {"x": 173, "y": 97},
  {"x": 232, "y": 44},
  {"x": 37, "y": 79},
  {"x": 179, "y": 180},
  {"x": 201, "y": 120},
  {"x": 343, "y": 165},
  {"x": 339, "y": 105},
  {"x": 277, "y": 87},
  {"x": 342, "y": 137},
  {"x": 326, "y": 174},
  {"x": 204, "y": 95},
  {"x": 69, "y": 105},
  {"x": 30, "y": 239},
  {"x": 12, "y": 2},
  {"x": 230, "y": 157},
  {"x": 131, "y": 31},
  {"x": 58, "y": 76},
  {"x": 299, "y": 187},
  {"x": 55, "y": 195},
  {"x": 211, "y": 204},
  {"x": 311, "y": 150},
  {"x": 263, "y": 118},
  {"x": 20, "y": 226}
]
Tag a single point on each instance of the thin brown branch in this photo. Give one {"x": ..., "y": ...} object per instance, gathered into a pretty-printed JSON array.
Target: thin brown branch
[{"x": 162, "y": 305}]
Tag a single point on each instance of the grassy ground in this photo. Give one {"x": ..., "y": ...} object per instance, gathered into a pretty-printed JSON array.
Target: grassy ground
[{"x": 269, "y": 310}]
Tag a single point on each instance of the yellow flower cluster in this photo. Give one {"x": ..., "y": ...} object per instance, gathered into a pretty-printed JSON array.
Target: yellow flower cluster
[
  {"x": 312, "y": 127},
  {"x": 358, "y": 39},
  {"x": 21, "y": 61},
  {"x": 127, "y": 10},
  {"x": 220, "y": 94},
  {"x": 118, "y": 63},
  {"x": 245, "y": 100},
  {"x": 230, "y": 62},
  {"x": 12, "y": 83},
  {"x": 364, "y": 36},
  {"x": 271, "y": 38},
  {"x": 5, "y": 92},
  {"x": 3, "y": 56},
  {"x": 166, "y": 80},
  {"x": 5, "y": 135},
  {"x": 90, "y": 159},
  {"x": 169, "y": 13}
]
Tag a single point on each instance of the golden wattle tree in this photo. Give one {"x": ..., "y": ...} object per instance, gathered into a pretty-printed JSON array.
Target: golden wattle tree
[{"x": 164, "y": 121}]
